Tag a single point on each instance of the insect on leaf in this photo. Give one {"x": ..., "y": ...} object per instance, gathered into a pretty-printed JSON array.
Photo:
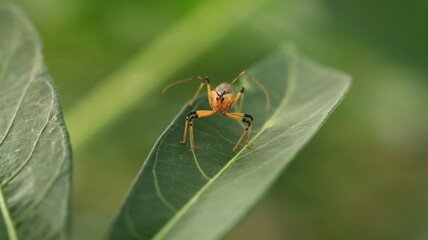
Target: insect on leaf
[
  {"x": 35, "y": 154},
  {"x": 203, "y": 194}
]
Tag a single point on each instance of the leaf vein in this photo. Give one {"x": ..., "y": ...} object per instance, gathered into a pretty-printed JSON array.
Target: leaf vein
[
  {"x": 198, "y": 166},
  {"x": 10, "y": 226},
  {"x": 42, "y": 196},
  {"x": 27, "y": 160},
  {"x": 156, "y": 183},
  {"x": 18, "y": 107}
]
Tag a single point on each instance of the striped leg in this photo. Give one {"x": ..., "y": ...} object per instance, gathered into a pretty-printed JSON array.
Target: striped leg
[
  {"x": 246, "y": 118},
  {"x": 189, "y": 118}
]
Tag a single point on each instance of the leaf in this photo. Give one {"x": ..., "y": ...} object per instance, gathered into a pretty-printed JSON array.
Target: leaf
[
  {"x": 205, "y": 193},
  {"x": 35, "y": 153}
]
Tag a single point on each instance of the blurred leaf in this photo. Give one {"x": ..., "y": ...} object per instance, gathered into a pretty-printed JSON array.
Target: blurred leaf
[
  {"x": 168, "y": 53},
  {"x": 203, "y": 194},
  {"x": 35, "y": 154}
]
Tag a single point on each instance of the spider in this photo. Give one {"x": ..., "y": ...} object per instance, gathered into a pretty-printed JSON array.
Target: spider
[{"x": 221, "y": 99}]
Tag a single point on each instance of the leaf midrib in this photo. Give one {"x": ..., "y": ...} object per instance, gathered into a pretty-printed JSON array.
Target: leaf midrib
[
  {"x": 287, "y": 96},
  {"x": 11, "y": 230}
]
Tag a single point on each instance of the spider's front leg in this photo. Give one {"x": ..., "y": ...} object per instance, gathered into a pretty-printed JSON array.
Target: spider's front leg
[
  {"x": 246, "y": 118},
  {"x": 189, "y": 122}
]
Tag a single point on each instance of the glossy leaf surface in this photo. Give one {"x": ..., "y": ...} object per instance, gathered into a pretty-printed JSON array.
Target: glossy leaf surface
[
  {"x": 35, "y": 154},
  {"x": 180, "y": 194}
]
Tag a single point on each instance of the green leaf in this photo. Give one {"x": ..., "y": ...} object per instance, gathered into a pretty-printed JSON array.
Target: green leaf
[
  {"x": 35, "y": 153},
  {"x": 203, "y": 194}
]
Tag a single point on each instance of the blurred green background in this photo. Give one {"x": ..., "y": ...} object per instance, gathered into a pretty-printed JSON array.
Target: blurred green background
[{"x": 363, "y": 176}]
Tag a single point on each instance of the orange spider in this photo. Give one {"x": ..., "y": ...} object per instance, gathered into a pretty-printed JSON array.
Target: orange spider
[{"x": 221, "y": 99}]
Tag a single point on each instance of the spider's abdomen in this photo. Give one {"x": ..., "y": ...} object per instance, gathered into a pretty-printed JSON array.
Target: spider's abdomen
[{"x": 224, "y": 88}]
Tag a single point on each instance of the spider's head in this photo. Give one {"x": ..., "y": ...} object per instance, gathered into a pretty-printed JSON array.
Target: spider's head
[{"x": 220, "y": 96}]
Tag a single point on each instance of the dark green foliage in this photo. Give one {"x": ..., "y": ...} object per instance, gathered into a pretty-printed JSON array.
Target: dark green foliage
[{"x": 35, "y": 154}]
